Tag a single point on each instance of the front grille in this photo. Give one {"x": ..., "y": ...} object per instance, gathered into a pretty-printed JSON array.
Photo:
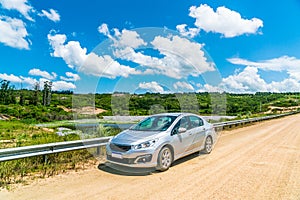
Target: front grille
[
  {"x": 119, "y": 147},
  {"x": 119, "y": 160}
]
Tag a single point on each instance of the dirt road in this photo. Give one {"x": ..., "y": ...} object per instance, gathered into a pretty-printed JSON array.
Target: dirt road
[{"x": 256, "y": 162}]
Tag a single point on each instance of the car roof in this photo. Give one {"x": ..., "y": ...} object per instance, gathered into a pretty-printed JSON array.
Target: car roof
[{"x": 174, "y": 114}]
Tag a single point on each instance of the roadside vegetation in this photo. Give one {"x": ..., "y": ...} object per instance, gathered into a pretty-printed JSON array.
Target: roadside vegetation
[
  {"x": 16, "y": 134},
  {"x": 26, "y": 169}
]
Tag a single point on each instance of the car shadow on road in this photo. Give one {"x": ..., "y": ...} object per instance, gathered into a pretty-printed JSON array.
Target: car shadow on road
[
  {"x": 128, "y": 171},
  {"x": 125, "y": 171}
]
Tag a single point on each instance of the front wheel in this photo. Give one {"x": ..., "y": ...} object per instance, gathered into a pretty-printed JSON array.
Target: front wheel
[
  {"x": 165, "y": 158},
  {"x": 208, "y": 145}
]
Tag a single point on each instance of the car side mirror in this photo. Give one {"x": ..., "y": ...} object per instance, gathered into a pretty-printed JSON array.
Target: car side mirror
[{"x": 182, "y": 130}]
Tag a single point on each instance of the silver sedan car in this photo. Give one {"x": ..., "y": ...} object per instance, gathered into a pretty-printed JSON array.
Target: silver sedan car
[{"x": 160, "y": 139}]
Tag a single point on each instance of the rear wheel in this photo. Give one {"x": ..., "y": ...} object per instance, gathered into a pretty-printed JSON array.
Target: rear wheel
[
  {"x": 165, "y": 158},
  {"x": 208, "y": 145}
]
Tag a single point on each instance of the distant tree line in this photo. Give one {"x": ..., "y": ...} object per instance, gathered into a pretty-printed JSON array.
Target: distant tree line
[
  {"x": 31, "y": 105},
  {"x": 9, "y": 95},
  {"x": 47, "y": 105}
]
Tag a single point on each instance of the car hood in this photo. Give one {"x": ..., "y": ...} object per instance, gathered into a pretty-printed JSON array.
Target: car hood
[{"x": 131, "y": 137}]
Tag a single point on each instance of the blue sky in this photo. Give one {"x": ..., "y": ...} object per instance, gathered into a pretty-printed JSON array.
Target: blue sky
[{"x": 156, "y": 46}]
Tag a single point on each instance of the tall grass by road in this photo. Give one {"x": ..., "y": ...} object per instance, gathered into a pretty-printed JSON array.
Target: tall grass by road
[{"x": 16, "y": 134}]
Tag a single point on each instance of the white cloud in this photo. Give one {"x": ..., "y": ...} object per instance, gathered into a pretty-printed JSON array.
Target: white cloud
[
  {"x": 57, "y": 85},
  {"x": 70, "y": 77},
  {"x": 249, "y": 81},
  {"x": 103, "y": 28},
  {"x": 152, "y": 86},
  {"x": 76, "y": 57},
  {"x": 21, "y": 6},
  {"x": 130, "y": 54},
  {"x": 188, "y": 32},
  {"x": 44, "y": 74},
  {"x": 105, "y": 66},
  {"x": 52, "y": 15},
  {"x": 287, "y": 85},
  {"x": 227, "y": 22},
  {"x": 18, "y": 79},
  {"x": 284, "y": 63},
  {"x": 182, "y": 57},
  {"x": 28, "y": 80},
  {"x": 123, "y": 39},
  {"x": 11, "y": 78},
  {"x": 183, "y": 85},
  {"x": 13, "y": 33},
  {"x": 72, "y": 52},
  {"x": 210, "y": 88},
  {"x": 62, "y": 85},
  {"x": 246, "y": 81},
  {"x": 128, "y": 38}
]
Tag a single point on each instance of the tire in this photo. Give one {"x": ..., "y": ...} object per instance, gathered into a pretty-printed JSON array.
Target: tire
[
  {"x": 208, "y": 145},
  {"x": 165, "y": 158}
]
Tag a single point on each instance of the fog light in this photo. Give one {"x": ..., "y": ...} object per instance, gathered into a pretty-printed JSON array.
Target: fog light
[{"x": 144, "y": 158}]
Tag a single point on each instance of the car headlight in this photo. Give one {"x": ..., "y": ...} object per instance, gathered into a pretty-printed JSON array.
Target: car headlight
[{"x": 146, "y": 144}]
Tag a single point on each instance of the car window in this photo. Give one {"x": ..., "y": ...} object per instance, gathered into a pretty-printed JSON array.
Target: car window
[
  {"x": 195, "y": 121},
  {"x": 146, "y": 124},
  {"x": 182, "y": 123},
  {"x": 163, "y": 122},
  {"x": 155, "y": 123}
]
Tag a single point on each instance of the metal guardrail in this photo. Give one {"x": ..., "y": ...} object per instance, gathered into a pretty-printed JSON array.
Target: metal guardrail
[
  {"x": 58, "y": 147},
  {"x": 50, "y": 148},
  {"x": 249, "y": 120}
]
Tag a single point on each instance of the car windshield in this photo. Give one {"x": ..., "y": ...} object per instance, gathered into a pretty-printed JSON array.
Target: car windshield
[{"x": 154, "y": 123}]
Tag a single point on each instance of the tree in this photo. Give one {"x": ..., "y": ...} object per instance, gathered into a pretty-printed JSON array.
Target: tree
[
  {"x": 36, "y": 91},
  {"x": 22, "y": 99},
  {"x": 6, "y": 93},
  {"x": 47, "y": 93}
]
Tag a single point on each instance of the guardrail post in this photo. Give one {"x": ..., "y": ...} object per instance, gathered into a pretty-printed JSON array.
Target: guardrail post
[
  {"x": 45, "y": 157},
  {"x": 98, "y": 150}
]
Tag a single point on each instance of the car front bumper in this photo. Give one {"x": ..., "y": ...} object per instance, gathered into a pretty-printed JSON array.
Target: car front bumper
[{"x": 142, "y": 158}]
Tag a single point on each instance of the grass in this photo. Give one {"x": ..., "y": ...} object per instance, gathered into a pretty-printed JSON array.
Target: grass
[
  {"x": 22, "y": 170},
  {"x": 73, "y": 123},
  {"x": 17, "y": 133}
]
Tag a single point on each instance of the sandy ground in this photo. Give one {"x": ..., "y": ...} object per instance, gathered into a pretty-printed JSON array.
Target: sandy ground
[
  {"x": 88, "y": 110},
  {"x": 256, "y": 162}
]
